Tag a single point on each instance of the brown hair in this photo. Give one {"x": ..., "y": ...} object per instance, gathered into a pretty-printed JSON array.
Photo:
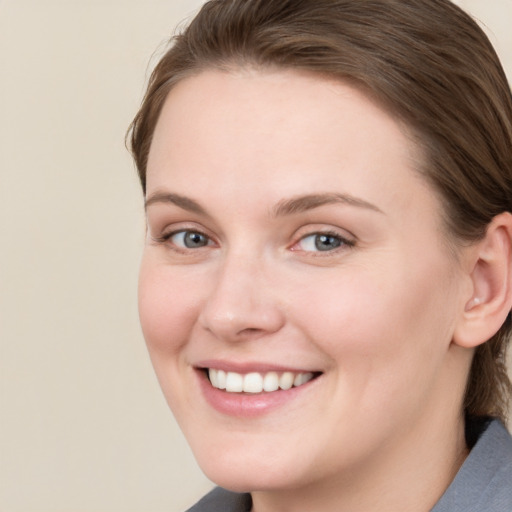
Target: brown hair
[{"x": 426, "y": 61}]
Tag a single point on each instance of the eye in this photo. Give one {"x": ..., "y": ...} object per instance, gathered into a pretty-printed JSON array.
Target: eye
[
  {"x": 322, "y": 242},
  {"x": 189, "y": 239}
]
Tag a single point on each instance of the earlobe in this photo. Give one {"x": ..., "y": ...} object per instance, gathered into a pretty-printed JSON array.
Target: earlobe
[{"x": 491, "y": 278}]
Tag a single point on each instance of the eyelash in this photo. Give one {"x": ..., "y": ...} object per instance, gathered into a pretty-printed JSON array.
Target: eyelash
[
  {"x": 166, "y": 237},
  {"x": 344, "y": 243}
]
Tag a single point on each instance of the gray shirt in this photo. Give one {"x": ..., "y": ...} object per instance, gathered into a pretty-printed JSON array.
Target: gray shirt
[{"x": 483, "y": 483}]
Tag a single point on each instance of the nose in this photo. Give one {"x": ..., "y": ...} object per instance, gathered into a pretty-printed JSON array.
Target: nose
[{"x": 242, "y": 302}]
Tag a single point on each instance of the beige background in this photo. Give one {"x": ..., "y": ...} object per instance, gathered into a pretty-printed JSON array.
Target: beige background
[{"x": 83, "y": 425}]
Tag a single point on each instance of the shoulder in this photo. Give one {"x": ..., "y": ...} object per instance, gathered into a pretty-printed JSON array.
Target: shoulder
[
  {"x": 220, "y": 500},
  {"x": 484, "y": 482}
]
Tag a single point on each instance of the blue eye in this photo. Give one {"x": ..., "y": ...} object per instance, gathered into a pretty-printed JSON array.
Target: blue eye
[
  {"x": 189, "y": 239},
  {"x": 322, "y": 242}
]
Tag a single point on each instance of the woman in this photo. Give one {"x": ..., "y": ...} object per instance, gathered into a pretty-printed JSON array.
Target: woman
[{"x": 326, "y": 284}]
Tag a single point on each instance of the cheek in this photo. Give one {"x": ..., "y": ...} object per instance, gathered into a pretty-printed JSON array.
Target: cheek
[
  {"x": 383, "y": 337},
  {"x": 384, "y": 323},
  {"x": 168, "y": 306}
]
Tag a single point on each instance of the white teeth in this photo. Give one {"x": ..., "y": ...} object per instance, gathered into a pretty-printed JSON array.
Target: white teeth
[
  {"x": 286, "y": 380},
  {"x": 213, "y": 376},
  {"x": 234, "y": 382},
  {"x": 302, "y": 378},
  {"x": 271, "y": 381},
  {"x": 255, "y": 382},
  {"x": 221, "y": 379}
]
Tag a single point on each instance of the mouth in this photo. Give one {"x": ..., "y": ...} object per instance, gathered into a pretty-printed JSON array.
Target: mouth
[
  {"x": 257, "y": 382},
  {"x": 249, "y": 390}
]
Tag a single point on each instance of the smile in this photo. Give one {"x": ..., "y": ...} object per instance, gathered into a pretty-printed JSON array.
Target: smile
[{"x": 256, "y": 382}]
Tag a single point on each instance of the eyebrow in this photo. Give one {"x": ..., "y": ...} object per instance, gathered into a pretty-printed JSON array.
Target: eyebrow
[
  {"x": 284, "y": 207},
  {"x": 181, "y": 201},
  {"x": 304, "y": 203}
]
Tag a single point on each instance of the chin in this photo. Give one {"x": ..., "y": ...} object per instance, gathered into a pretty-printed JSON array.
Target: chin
[
  {"x": 248, "y": 466},
  {"x": 250, "y": 479}
]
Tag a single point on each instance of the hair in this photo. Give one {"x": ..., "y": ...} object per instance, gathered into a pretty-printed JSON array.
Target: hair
[{"x": 425, "y": 61}]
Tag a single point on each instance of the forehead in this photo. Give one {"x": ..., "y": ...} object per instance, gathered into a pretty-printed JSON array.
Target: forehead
[
  {"x": 284, "y": 108},
  {"x": 280, "y": 132}
]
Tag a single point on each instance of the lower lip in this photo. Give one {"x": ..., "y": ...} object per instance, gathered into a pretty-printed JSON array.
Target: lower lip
[{"x": 247, "y": 404}]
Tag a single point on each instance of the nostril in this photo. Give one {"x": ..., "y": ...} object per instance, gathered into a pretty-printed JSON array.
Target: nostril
[{"x": 249, "y": 330}]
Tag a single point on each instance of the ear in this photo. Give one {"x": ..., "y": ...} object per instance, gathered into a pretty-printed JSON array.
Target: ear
[{"x": 491, "y": 279}]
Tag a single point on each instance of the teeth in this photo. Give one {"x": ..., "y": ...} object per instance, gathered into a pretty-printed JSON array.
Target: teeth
[
  {"x": 214, "y": 378},
  {"x": 221, "y": 379},
  {"x": 286, "y": 380},
  {"x": 271, "y": 381},
  {"x": 301, "y": 378},
  {"x": 255, "y": 382},
  {"x": 234, "y": 382}
]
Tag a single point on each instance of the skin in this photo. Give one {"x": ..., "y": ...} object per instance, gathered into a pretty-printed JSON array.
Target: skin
[{"x": 381, "y": 428}]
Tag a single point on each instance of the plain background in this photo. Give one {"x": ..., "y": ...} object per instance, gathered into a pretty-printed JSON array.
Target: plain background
[{"x": 83, "y": 425}]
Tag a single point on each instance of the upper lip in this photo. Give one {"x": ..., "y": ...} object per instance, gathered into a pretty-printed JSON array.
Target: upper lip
[{"x": 248, "y": 367}]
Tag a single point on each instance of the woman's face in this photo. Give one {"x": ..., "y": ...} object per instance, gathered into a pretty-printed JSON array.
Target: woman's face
[{"x": 291, "y": 240}]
